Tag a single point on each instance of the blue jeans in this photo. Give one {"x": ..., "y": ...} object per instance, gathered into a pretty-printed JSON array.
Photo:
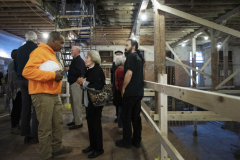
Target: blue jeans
[{"x": 119, "y": 117}]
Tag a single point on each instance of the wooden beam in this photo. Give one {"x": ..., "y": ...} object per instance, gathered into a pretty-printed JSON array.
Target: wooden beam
[
  {"x": 73, "y": 29},
  {"x": 224, "y": 105},
  {"x": 228, "y": 91},
  {"x": 227, "y": 79},
  {"x": 193, "y": 116},
  {"x": 74, "y": 16},
  {"x": 178, "y": 59},
  {"x": 171, "y": 150},
  {"x": 226, "y": 16}
]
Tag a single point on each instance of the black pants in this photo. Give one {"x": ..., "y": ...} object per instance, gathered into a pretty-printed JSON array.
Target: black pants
[
  {"x": 95, "y": 126},
  {"x": 16, "y": 110},
  {"x": 131, "y": 108},
  {"x": 26, "y": 112}
]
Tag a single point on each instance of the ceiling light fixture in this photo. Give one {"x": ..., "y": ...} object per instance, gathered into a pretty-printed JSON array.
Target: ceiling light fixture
[
  {"x": 206, "y": 38},
  {"x": 183, "y": 45},
  {"x": 144, "y": 17},
  {"x": 45, "y": 35}
]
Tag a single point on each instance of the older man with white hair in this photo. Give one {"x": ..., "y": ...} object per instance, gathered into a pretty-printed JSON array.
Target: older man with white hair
[
  {"x": 31, "y": 134},
  {"x": 76, "y": 70}
]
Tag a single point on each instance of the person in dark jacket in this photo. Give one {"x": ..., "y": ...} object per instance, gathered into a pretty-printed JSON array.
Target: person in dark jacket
[
  {"x": 14, "y": 93},
  {"x": 76, "y": 70},
  {"x": 94, "y": 79},
  {"x": 113, "y": 70},
  {"x": 132, "y": 93},
  {"x": 31, "y": 135}
]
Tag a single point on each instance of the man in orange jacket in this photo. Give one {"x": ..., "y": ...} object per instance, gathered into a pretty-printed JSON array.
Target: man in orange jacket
[{"x": 44, "y": 87}]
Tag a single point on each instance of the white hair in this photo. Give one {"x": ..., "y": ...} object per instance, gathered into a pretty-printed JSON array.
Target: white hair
[
  {"x": 94, "y": 56},
  {"x": 31, "y": 36},
  {"x": 78, "y": 48},
  {"x": 120, "y": 60}
]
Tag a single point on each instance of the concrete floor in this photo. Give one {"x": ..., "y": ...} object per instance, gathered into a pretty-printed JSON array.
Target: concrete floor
[
  {"x": 12, "y": 147},
  {"x": 212, "y": 142}
]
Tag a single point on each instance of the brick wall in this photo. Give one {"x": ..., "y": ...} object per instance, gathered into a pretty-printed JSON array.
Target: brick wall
[{"x": 181, "y": 77}]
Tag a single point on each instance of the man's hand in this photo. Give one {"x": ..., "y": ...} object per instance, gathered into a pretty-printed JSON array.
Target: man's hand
[
  {"x": 66, "y": 69},
  {"x": 123, "y": 91},
  {"x": 58, "y": 76}
]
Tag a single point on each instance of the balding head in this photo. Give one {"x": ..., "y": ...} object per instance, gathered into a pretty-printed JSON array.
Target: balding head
[{"x": 75, "y": 51}]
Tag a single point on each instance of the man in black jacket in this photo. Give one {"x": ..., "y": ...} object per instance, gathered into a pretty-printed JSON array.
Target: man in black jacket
[
  {"x": 113, "y": 70},
  {"x": 21, "y": 60},
  {"x": 132, "y": 93},
  {"x": 76, "y": 70}
]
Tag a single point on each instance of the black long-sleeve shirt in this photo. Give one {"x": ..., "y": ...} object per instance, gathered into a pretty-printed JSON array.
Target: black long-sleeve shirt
[{"x": 76, "y": 69}]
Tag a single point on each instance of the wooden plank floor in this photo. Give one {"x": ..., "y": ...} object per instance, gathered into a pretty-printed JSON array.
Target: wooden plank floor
[{"x": 12, "y": 147}]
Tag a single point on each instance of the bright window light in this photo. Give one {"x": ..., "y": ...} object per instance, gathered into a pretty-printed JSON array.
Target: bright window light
[
  {"x": 144, "y": 17},
  {"x": 45, "y": 35}
]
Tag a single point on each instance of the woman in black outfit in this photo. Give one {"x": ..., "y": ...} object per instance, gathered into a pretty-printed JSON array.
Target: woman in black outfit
[{"x": 94, "y": 79}]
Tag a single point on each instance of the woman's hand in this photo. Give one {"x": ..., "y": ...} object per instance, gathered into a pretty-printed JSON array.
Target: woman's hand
[
  {"x": 123, "y": 91},
  {"x": 81, "y": 80}
]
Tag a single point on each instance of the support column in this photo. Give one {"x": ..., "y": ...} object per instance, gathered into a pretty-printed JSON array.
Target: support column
[
  {"x": 194, "y": 45},
  {"x": 159, "y": 73},
  {"x": 225, "y": 61},
  {"x": 214, "y": 61},
  {"x": 195, "y": 124}
]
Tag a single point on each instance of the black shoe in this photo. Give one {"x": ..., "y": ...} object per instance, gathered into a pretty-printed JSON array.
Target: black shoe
[
  {"x": 137, "y": 145},
  {"x": 95, "y": 154},
  {"x": 35, "y": 140},
  {"x": 75, "y": 127},
  {"x": 87, "y": 150},
  {"x": 71, "y": 124},
  {"x": 116, "y": 120},
  {"x": 27, "y": 139},
  {"x": 120, "y": 143}
]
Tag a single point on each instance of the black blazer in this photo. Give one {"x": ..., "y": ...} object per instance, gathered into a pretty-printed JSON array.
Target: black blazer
[
  {"x": 95, "y": 77},
  {"x": 22, "y": 57},
  {"x": 76, "y": 69}
]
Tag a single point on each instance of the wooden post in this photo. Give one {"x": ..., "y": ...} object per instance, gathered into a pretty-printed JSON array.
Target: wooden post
[
  {"x": 163, "y": 110},
  {"x": 214, "y": 61},
  {"x": 225, "y": 61},
  {"x": 195, "y": 124},
  {"x": 194, "y": 61},
  {"x": 156, "y": 53}
]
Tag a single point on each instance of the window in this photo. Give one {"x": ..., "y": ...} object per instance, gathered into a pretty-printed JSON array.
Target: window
[{"x": 199, "y": 57}]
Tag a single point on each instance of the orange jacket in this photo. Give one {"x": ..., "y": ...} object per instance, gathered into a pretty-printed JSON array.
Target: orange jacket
[{"x": 41, "y": 81}]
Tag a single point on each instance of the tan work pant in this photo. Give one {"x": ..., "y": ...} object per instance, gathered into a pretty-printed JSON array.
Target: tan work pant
[
  {"x": 76, "y": 103},
  {"x": 49, "y": 114}
]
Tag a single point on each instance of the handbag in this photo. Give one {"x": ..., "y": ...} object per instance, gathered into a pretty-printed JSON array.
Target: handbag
[{"x": 101, "y": 97}]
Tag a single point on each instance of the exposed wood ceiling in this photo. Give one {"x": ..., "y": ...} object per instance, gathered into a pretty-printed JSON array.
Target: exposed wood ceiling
[
  {"x": 19, "y": 16},
  {"x": 115, "y": 19}
]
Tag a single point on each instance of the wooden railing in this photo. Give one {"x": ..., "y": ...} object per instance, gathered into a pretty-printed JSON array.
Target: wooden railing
[{"x": 220, "y": 107}]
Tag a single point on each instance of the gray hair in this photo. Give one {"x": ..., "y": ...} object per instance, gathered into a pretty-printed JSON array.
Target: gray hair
[
  {"x": 94, "y": 56},
  {"x": 31, "y": 36},
  {"x": 120, "y": 60}
]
